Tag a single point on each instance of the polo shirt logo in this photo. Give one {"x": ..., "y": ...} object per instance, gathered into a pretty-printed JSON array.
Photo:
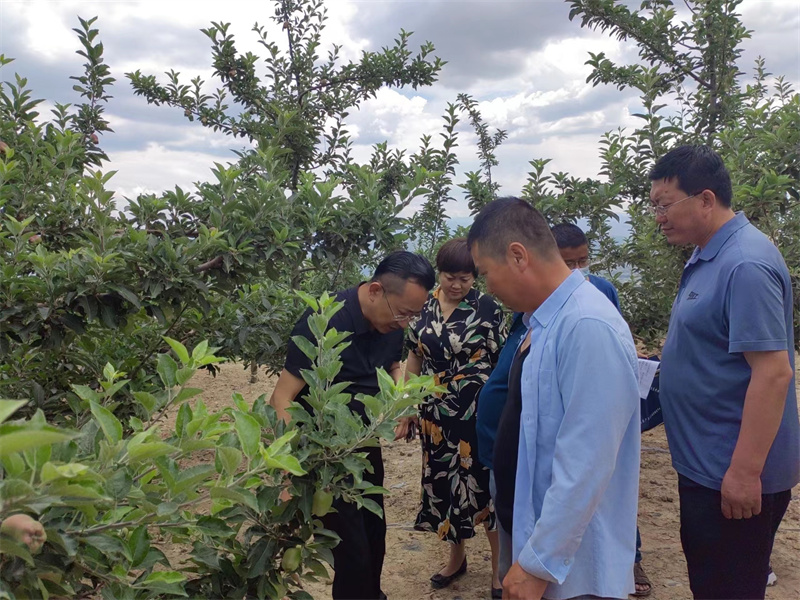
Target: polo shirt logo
[{"x": 693, "y": 296}]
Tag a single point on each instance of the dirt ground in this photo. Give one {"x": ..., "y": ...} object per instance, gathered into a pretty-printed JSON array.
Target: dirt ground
[{"x": 412, "y": 557}]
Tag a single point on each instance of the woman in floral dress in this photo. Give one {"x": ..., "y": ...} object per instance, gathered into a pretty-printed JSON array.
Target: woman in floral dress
[{"x": 457, "y": 340}]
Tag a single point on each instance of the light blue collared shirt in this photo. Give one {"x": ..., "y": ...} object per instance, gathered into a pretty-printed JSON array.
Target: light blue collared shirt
[{"x": 577, "y": 484}]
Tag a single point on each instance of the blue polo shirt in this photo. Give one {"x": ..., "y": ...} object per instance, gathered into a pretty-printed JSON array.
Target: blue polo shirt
[
  {"x": 494, "y": 393},
  {"x": 735, "y": 296},
  {"x": 605, "y": 286}
]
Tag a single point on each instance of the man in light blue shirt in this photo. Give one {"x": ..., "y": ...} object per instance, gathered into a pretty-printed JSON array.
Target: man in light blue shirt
[{"x": 577, "y": 480}]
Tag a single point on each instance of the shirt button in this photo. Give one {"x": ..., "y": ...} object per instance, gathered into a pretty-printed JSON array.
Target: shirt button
[{"x": 566, "y": 561}]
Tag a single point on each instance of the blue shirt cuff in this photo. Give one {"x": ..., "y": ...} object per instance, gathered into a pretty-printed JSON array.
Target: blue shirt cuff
[{"x": 531, "y": 563}]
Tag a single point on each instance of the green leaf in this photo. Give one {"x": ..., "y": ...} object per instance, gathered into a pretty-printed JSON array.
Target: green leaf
[
  {"x": 13, "y": 464},
  {"x": 9, "y": 407},
  {"x": 308, "y": 299},
  {"x": 278, "y": 444},
  {"x": 184, "y": 417},
  {"x": 109, "y": 372},
  {"x": 186, "y": 394},
  {"x": 86, "y": 393},
  {"x": 16, "y": 438},
  {"x": 11, "y": 547},
  {"x": 306, "y": 347},
  {"x": 166, "y": 577},
  {"x": 167, "y": 508},
  {"x": 127, "y": 294},
  {"x": 147, "y": 400},
  {"x": 249, "y": 432},
  {"x": 108, "y": 544},
  {"x": 139, "y": 545},
  {"x": 205, "y": 555},
  {"x": 180, "y": 350},
  {"x": 371, "y": 506},
  {"x": 119, "y": 484},
  {"x": 184, "y": 374},
  {"x": 164, "y": 582},
  {"x": 192, "y": 477},
  {"x": 240, "y": 402},
  {"x": 237, "y": 495},
  {"x": 50, "y": 471},
  {"x": 149, "y": 451},
  {"x": 286, "y": 462},
  {"x": 110, "y": 425},
  {"x": 231, "y": 459},
  {"x": 200, "y": 351},
  {"x": 167, "y": 369}
]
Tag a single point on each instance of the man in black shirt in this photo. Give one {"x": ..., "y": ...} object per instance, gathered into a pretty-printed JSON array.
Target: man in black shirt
[{"x": 375, "y": 313}]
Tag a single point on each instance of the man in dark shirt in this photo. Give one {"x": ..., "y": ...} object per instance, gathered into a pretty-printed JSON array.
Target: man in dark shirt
[
  {"x": 375, "y": 313},
  {"x": 491, "y": 401}
]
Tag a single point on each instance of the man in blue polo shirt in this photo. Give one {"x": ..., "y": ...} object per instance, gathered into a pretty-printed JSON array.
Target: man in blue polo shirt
[
  {"x": 727, "y": 378},
  {"x": 574, "y": 249}
]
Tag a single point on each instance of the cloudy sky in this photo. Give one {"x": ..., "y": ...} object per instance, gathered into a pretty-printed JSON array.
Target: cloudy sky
[{"x": 523, "y": 60}]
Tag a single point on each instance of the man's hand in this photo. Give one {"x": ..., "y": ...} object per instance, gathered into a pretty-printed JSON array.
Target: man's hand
[
  {"x": 401, "y": 431},
  {"x": 741, "y": 494},
  {"x": 286, "y": 390},
  {"x": 26, "y": 530},
  {"x": 521, "y": 585}
]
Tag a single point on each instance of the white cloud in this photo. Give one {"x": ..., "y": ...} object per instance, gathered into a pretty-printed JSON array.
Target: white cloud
[
  {"x": 528, "y": 74},
  {"x": 157, "y": 168}
]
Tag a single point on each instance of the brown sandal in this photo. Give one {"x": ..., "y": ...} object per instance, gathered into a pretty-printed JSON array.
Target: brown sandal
[{"x": 640, "y": 578}]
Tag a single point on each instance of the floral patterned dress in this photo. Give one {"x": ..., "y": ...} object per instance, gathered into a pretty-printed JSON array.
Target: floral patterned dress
[{"x": 460, "y": 353}]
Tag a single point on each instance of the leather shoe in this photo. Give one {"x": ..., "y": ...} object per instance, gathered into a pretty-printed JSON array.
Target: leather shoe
[
  {"x": 497, "y": 593},
  {"x": 440, "y": 581}
]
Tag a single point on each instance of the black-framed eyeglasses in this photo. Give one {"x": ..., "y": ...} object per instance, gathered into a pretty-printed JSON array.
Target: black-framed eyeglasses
[
  {"x": 658, "y": 210},
  {"x": 412, "y": 318},
  {"x": 581, "y": 263}
]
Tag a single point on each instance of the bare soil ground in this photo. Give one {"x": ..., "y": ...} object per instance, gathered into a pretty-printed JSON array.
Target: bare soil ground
[{"x": 412, "y": 557}]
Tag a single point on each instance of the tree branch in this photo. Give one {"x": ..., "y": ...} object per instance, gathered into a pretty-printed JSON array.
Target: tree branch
[{"x": 214, "y": 263}]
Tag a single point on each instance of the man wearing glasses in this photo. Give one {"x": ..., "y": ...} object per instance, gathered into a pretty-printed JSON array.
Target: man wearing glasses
[
  {"x": 375, "y": 312},
  {"x": 727, "y": 378}
]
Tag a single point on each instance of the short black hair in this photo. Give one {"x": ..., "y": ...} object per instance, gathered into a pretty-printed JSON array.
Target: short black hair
[
  {"x": 507, "y": 220},
  {"x": 696, "y": 168},
  {"x": 569, "y": 235},
  {"x": 454, "y": 257},
  {"x": 401, "y": 266}
]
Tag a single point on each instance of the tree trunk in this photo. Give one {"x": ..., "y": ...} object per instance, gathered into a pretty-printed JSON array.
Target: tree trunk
[{"x": 254, "y": 372}]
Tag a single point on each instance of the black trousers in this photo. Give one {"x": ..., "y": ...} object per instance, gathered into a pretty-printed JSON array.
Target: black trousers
[
  {"x": 727, "y": 558},
  {"x": 358, "y": 558}
]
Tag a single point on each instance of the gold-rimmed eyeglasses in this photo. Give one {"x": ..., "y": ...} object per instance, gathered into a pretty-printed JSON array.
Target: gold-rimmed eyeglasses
[
  {"x": 412, "y": 318},
  {"x": 659, "y": 210}
]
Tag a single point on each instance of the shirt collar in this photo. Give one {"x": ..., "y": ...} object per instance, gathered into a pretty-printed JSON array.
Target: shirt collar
[
  {"x": 471, "y": 297},
  {"x": 718, "y": 240},
  {"x": 550, "y": 307},
  {"x": 353, "y": 308}
]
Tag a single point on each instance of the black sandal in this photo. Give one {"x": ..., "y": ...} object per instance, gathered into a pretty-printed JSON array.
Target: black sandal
[
  {"x": 640, "y": 578},
  {"x": 440, "y": 581}
]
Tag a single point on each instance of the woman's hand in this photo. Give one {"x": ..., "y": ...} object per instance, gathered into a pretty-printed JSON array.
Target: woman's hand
[{"x": 401, "y": 430}]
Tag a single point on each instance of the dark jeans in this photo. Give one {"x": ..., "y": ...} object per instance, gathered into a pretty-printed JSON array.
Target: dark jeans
[
  {"x": 358, "y": 558},
  {"x": 727, "y": 558},
  {"x": 638, "y": 546}
]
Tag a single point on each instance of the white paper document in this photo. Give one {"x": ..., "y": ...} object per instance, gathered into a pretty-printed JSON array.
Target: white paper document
[{"x": 647, "y": 372}]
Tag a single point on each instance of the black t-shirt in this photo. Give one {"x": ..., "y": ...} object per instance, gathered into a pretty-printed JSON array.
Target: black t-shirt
[
  {"x": 506, "y": 445},
  {"x": 368, "y": 351}
]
